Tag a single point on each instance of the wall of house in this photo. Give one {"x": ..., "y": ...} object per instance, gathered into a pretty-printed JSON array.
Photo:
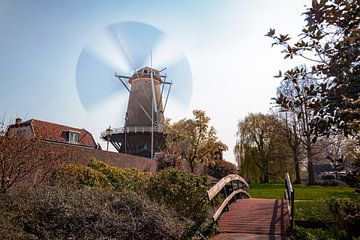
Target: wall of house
[{"x": 24, "y": 131}]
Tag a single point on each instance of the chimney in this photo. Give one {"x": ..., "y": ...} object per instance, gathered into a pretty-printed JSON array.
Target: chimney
[{"x": 17, "y": 121}]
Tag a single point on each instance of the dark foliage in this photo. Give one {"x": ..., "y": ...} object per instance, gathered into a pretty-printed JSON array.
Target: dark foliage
[
  {"x": 65, "y": 213},
  {"x": 347, "y": 213},
  {"x": 220, "y": 169}
]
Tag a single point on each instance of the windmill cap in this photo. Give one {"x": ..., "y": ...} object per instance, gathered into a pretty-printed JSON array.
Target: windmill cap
[{"x": 145, "y": 73}]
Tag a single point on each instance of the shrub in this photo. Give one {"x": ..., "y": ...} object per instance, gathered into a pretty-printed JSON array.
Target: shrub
[
  {"x": 168, "y": 160},
  {"x": 78, "y": 174},
  {"x": 347, "y": 213},
  {"x": 316, "y": 234},
  {"x": 120, "y": 179},
  {"x": 89, "y": 213},
  {"x": 220, "y": 168},
  {"x": 185, "y": 193},
  {"x": 328, "y": 182}
]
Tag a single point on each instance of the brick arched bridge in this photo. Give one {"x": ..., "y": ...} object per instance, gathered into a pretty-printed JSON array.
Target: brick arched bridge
[{"x": 241, "y": 217}]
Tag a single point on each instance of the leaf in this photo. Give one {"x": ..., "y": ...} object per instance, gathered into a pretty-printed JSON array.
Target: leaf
[
  {"x": 271, "y": 33},
  {"x": 279, "y": 75},
  {"x": 284, "y": 38},
  {"x": 314, "y": 4}
]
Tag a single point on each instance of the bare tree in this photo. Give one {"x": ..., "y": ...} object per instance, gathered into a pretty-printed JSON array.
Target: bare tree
[
  {"x": 290, "y": 128},
  {"x": 24, "y": 159},
  {"x": 293, "y": 97}
]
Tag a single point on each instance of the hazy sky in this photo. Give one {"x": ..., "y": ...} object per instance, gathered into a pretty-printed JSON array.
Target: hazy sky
[{"x": 231, "y": 63}]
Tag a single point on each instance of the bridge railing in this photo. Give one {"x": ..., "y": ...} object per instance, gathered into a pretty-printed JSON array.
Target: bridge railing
[
  {"x": 226, "y": 186},
  {"x": 289, "y": 196}
]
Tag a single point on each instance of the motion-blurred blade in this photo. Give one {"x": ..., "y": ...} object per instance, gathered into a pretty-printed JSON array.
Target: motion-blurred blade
[
  {"x": 167, "y": 52},
  {"x": 136, "y": 39},
  {"x": 180, "y": 74},
  {"x": 95, "y": 79},
  {"x": 110, "y": 110},
  {"x": 108, "y": 50},
  {"x": 176, "y": 110}
]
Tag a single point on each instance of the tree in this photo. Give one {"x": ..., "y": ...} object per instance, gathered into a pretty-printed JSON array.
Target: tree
[
  {"x": 262, "y": 150},
  {"x": 23, "y": 159},
  {"x": 193, "y": 139},
  {"x": 290, "y": 128},
  {"x": 294, "y": 97},
  {"x": 330, "y": 42}
]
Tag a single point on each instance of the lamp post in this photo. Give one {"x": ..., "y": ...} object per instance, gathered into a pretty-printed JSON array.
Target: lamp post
[
  {"x": 109, "y": 132},
  {"x": 125, "y": 130}
]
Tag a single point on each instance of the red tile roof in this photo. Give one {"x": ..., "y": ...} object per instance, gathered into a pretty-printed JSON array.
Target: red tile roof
[{"x": 57, "y": 132}]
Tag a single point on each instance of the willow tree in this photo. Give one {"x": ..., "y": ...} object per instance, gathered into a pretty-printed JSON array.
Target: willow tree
[
  {"x": 194, "y": 139},
  {"x": 262, "y": 152}
]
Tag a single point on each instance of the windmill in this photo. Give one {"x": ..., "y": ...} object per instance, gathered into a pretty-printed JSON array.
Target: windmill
[
  {"x": 142, "y": 133},
  {"x": 138, "y": 93}
]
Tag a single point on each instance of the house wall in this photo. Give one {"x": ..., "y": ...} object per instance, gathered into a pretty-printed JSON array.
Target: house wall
[{"x": 24, "y": 131}]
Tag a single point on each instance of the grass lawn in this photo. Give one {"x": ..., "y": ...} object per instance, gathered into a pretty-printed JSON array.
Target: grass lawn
[
  {"x": 309, "y": 200},
  {"x": 302, "y": 192}
]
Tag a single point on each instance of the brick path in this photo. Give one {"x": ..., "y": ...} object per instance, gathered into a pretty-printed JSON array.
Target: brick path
[{"x": 255, "y": 218}]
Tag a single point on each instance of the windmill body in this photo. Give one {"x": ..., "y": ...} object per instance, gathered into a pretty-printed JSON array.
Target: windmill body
[
  {"x": 141, "y": 101},
  {"x": 144, "y": 116}
]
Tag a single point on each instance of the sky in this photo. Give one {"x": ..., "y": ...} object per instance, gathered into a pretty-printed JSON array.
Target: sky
[{"x": 227, "y": 63}]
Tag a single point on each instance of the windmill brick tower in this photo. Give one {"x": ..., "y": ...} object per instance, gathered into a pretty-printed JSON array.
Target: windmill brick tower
[{"x": 142, "y": 132}]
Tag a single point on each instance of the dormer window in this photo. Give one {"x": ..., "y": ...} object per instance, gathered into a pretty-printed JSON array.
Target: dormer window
[{"x": 73, "y": 137}]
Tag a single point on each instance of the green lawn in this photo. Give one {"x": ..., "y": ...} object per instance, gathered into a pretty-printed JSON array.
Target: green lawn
[
  {"x": 302, "y": 192},
  {"x": 309, "y": 200}
]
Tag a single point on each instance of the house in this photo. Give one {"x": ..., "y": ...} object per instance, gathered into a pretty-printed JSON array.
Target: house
[{"x": 52, "y": 132}]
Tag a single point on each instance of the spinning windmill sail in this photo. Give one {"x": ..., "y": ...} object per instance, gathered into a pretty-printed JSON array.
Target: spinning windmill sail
[{"x": 124, "y": 48}]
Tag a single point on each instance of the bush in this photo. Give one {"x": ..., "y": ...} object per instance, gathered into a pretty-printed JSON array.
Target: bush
[
  {"x": 168, "y": 161},
  {"x": 120, "y": 179},
  {"x": 315, "y": 234},
  {"x": 78, "y": 174},
  {"x": 88, "y": 213},
  {"x": 186, "y": 194},
  {"x": 347, "y": 213},
  {"x": 220, "y": 169},
  {"x": 328, "y": 182}
]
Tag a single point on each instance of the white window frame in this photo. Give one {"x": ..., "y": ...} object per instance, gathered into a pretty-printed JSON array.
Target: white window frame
[{"x": 72, "y": 138}]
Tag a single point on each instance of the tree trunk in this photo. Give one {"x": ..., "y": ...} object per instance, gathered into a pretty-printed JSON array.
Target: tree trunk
[
  {"x": 266, "y": 178},
  {"x": 311, "y": 173},
  {"x": 191, "y": 166},
  {"x": 297, "y": 168},
  {"x": 310, "y": 163},
  {"x": 264, "y": 169}
]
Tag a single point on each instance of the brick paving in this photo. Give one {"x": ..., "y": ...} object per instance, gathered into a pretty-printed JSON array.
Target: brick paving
[
  {"x": 266, "y": 218},
  {"x": 247, "y": 236}
]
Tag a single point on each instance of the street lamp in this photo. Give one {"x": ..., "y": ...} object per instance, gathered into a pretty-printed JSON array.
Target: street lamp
[
  {"x": 125, "y": 129},
  {"x": 108, "y": 132}
]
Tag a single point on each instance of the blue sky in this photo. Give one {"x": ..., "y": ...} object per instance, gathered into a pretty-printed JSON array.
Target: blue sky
[{"x": 231, "y": 63}]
